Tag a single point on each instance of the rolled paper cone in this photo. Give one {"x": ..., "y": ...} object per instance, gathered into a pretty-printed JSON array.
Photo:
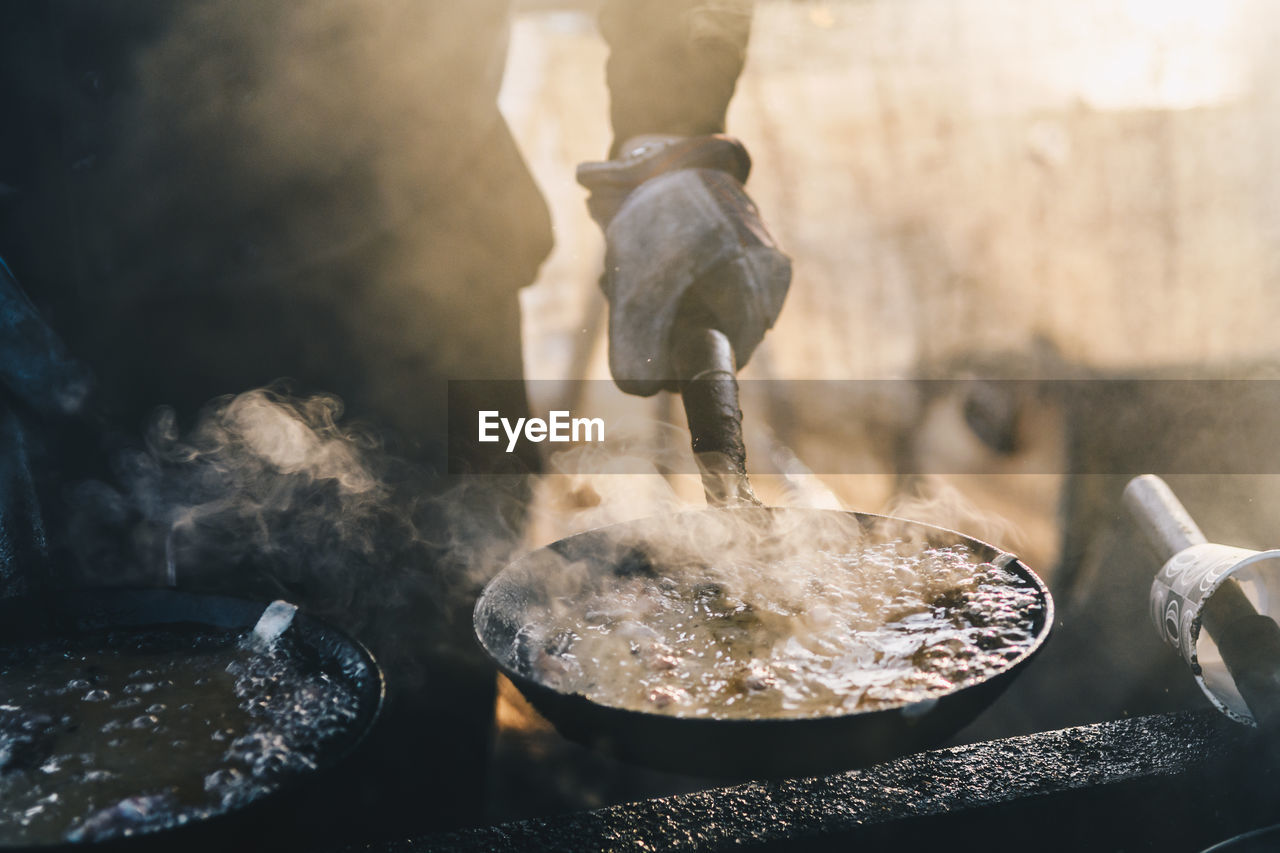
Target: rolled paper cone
[{"x": 1193, "y": 572}]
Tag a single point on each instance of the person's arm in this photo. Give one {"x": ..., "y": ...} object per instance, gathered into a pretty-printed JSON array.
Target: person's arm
[
  {"x": 673, "y": 64},
  {"x": 34, "y": 363},
  {"x": 686, "y": 248},
  {"x": 41, "y": 388}
]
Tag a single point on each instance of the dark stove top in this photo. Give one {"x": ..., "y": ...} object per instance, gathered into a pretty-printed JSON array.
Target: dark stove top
[{"x": 1170, "y": 782}]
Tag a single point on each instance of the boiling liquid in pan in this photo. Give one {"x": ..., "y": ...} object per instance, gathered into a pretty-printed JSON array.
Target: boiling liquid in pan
[
  {"x": 109, "y": 734},
  {"x": 823, "y": 634}
]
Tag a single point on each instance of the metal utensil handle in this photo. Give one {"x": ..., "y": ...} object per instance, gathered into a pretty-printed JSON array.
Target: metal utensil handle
[
  {"x": 1161, "y": 516},
  {"x": 1249, "y": 643},
  {"x": 707, "y": 370}
]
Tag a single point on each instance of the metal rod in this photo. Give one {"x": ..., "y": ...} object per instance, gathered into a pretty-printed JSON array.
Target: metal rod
[
  {"x": 706, "y": 367},
  {"x": 1250, "y": 647}
]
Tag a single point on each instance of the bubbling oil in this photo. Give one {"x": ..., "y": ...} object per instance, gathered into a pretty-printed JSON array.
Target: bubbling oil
[
  {"x": 819, "y": 634},
  {"x": 111, "y": 734}
]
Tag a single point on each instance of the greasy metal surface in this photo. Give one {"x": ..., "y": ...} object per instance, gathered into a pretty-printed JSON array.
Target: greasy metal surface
[{"x": 1085, "y": 778}]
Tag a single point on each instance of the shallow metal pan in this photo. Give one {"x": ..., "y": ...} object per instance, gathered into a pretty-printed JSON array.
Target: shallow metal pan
[
  {"x": 320, "y": 647},
  {"x": 769, "y": 747}
]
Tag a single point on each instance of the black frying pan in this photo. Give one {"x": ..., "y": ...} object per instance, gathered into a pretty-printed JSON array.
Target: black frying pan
[
  {"x": 320, "y": 647},
  {"x": 520, "y": 595}
]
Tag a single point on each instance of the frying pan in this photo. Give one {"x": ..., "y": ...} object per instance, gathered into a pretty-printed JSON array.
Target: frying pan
[
  {"x": 319, "y": 647},
  {"x": 522, "y": 594}
]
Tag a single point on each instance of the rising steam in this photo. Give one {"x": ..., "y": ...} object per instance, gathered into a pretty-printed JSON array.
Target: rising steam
[
  {"x": 271, "y": 496},
  {"x": 261, "y": 478}
]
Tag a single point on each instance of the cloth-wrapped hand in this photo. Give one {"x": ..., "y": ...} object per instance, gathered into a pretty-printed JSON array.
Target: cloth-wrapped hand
[{"x": 682, "y": 238}]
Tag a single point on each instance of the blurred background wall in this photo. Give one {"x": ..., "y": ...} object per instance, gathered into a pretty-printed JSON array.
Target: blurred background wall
[{"x": 967, "y": 188}]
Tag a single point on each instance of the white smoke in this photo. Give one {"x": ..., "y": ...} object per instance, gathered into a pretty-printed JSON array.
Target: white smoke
[{"x": 272, "y": 496}]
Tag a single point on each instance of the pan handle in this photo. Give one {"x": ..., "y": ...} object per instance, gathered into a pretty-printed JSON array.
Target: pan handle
[
  {"x": 1161, "y": 516},
  {"x": 705, "y": 362}
]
